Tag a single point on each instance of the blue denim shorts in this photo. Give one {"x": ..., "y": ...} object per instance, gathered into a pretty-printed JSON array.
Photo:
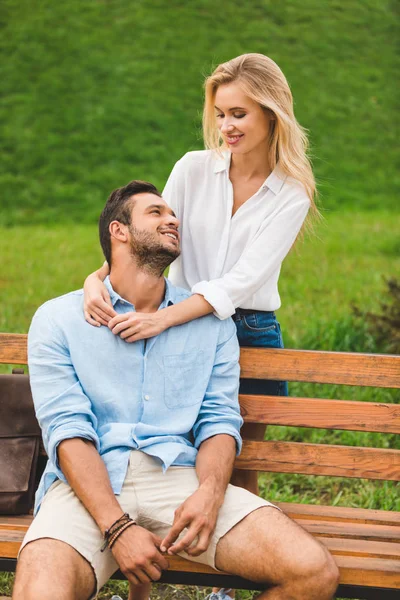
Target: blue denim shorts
[{"x": 259, "y": 328}]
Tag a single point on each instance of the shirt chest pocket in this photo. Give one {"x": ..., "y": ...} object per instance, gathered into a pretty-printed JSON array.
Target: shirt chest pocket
[{"x": 183, "y": 378}]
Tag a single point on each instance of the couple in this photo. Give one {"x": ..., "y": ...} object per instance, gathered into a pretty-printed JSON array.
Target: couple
[{"x": 142, "y": 437}]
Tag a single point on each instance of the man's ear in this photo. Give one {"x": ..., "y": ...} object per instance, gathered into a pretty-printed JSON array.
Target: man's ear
[{"x": 119, "y": 231}]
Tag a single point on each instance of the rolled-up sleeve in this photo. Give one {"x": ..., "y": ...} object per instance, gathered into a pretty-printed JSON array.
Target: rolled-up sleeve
[
  {"x": 62, "y": 408},
  {"x": 259, "y": 260},
  {"x": 220, "y": 411}
]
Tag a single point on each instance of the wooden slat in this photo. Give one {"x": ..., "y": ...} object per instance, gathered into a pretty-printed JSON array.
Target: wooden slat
[
  {"x": 316, "y": 412},
  {"x": 355, "y": 531},
  {"x": 370, "y": 549},
  {"x": 17, "y": 523},
  {"x": 13, "y": 349},
  {"x": 354, "y": 570},
  {"x": 338, "y": 514},
  {"x": 10, "y": 542},
  {"x": 369, "y": 572},
  {"x": 320, "y": 459},
  {"x": 374, "y": 370},
  {"x": 298, "y": 512}
]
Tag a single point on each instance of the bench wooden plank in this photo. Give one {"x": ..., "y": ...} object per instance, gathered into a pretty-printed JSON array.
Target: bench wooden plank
[
  {"x": 320, "y": 459},
  {"x": 376, "y": 370},
  {"x": 354, "y": 570},
  {"x": 13, "y": 348},
  {"x": 370, "y": 572},
  {"x": 320, "y": 413},
  {"x": 299, "y": 512},
  {"x": 339, "y": 514},
  {"x": 355, "y": 531},
  {"x": 371, "y": 370},
  {"x": 371, "y": 549}
]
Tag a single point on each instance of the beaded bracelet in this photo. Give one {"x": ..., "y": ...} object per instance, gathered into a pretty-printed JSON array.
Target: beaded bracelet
[
  {"x": 118, "y": 533},
  {"x": 115, "y": 528}
]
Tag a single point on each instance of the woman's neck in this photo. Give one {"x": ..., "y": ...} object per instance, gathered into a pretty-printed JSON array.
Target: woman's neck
[{"x": 251, "y": 165}]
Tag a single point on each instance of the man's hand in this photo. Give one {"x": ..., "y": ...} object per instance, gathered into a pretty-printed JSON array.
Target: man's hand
[
  {"x": 134, "y": 326},
  {"x": 138, "y": 555},
  {"x": 199, "y": 514}
]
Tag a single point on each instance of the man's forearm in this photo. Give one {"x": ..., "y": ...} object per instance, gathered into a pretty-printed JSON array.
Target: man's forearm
[
  {"x": 87, "y": 475},
  {"x": 214, "y": 463}
]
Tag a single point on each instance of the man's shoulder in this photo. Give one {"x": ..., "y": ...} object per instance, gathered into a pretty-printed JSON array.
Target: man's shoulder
[
  {"x": 180, "y": 294},
  {"x": 226, "y": 327},
  {"x": 58, "y": 309}
]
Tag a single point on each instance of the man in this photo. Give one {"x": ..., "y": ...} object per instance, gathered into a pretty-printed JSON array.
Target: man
[{"x": 142, "y": 437}]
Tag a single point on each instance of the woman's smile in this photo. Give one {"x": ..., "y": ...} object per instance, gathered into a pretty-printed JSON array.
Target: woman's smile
[{"x": 233, "y": 139}]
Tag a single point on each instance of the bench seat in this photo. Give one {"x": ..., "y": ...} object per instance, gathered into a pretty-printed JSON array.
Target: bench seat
[{"x": 365, "y": 544}]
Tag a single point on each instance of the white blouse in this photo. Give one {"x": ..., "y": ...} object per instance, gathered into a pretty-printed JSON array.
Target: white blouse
[{"x": 232, "y": 261}]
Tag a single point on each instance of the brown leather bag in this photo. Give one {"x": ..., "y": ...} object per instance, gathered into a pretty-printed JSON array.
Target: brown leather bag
[{"x": 19, "y": 445}]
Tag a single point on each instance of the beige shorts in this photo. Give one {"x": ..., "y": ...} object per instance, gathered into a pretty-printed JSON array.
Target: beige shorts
[{"x": 150, "y": 497}]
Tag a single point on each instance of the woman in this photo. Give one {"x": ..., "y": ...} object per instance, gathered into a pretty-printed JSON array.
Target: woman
[{"x": 241, "y": 204}]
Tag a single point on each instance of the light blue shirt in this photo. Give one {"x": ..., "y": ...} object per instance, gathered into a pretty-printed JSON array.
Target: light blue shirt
[{"x": 164, "y": 396}]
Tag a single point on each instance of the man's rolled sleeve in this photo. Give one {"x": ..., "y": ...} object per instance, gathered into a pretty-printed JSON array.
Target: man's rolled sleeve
[
  {"x": 62, "y": 408},
  {"x": 220, "y": 411}
]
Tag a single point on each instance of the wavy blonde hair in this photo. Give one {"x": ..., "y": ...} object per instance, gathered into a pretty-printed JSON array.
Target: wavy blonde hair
[{"x": 262, "y": 80}]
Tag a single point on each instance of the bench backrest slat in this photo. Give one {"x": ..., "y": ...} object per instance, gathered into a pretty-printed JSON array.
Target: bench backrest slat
[
  {"x": 320, "y": 459},
  {"x": 373, "y": 370},
  {"x": 13, "y": 349},
  {"x": 320, "y": 413}
]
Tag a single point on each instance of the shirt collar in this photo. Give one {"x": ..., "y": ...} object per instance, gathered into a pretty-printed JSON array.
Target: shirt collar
[
  {"x": 274, "y": 181},
  {"x": 222, "y": 161},
  {"x": 169, "y": 297}
]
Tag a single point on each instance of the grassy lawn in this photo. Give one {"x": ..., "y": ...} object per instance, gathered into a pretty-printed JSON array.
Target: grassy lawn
[{"x": 95, "y": 94}]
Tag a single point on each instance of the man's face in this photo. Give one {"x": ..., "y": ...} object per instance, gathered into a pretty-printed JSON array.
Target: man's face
[{"x": 155, "y": 241}]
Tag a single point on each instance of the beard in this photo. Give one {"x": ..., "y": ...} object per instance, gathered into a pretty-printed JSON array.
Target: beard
[{"x": 149, "y": 253}]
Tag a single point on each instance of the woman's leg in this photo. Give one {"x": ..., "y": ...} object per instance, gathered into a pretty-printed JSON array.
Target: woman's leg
[{"x": 257, "y": 329}]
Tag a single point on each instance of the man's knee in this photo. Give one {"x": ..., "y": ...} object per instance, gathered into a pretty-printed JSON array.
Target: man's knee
[
  {"x": 49, "y": 569},
  {"x": 318, "y": 575}
]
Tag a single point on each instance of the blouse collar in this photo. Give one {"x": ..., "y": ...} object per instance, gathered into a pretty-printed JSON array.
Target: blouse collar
[{"x": 274, "y": 181}]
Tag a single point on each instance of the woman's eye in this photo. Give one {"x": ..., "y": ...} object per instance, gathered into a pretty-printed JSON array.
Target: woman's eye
[
  {"x": 155, "y": 211},
  {"x": 220, "y": 116},
  {"x": 240, "y": 116}
]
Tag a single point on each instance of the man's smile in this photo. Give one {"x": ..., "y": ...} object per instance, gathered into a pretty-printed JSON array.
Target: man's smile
[{"x": 171, "y": 233}]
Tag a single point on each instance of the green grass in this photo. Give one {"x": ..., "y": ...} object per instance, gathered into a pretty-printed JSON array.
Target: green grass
[{"x": 96, "y": 93}]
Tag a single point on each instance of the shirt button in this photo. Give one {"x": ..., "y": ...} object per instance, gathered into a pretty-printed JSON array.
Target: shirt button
[{"x": 147, "y": 397}]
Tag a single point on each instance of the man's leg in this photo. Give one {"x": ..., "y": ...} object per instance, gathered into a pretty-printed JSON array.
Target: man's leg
[
  {"x": 49, "y": 569},
  {"x": 268, "y": 547}
]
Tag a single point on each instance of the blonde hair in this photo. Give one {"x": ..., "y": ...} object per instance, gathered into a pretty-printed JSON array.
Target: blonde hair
[{"x": 262, "y": 80}]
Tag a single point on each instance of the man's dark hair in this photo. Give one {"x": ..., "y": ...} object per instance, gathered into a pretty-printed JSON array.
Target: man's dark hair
[{"x": 118, "y": 208}]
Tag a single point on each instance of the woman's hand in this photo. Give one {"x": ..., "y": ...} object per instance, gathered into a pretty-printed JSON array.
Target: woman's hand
[
  {"x": 134, "y": 326},
  {"x": 98, "y": 308}
]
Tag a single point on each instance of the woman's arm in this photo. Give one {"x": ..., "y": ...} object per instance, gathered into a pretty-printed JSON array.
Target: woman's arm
[
  {"x": 98, "y": 308},
  {"x": 259, "y": 260},
  {"x": 134, "y": 326}
]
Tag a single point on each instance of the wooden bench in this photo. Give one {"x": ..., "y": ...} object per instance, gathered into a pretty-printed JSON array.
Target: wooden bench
[{"x": 365, "y": 543}]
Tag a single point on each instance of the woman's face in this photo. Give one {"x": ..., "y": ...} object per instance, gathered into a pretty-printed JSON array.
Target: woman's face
[{"x": 244, "y": 125}]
